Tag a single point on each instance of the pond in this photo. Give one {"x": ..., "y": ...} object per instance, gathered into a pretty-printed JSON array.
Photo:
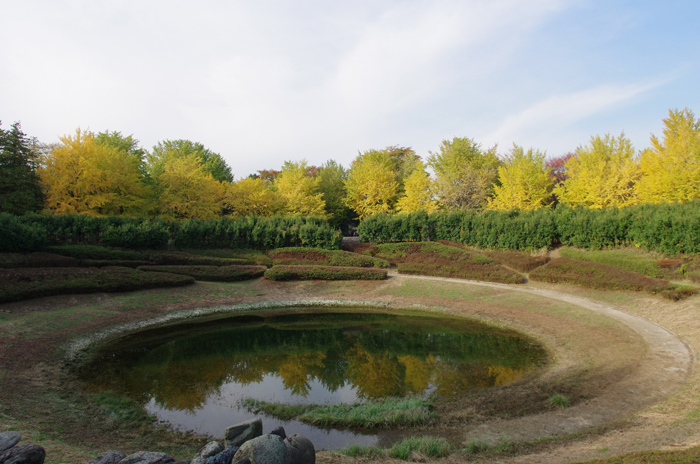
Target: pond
[{"x": 195, "y": 374}]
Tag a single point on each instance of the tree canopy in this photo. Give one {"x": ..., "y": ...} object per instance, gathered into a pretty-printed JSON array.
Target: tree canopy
[
  {"x": 20, "y": 188},
  {"x": 671, "y": 167},
  {"x": 465, "y": 173},
  {"x": 601, "y": 174},
  {"x": 524, "y": 181},
  {"x": 372, "y": 183}
]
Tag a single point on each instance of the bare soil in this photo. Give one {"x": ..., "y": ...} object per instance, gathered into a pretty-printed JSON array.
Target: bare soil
[{"x": 625, "y": 360}]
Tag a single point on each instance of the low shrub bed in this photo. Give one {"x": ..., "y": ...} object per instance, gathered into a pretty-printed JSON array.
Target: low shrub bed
[
  {"x": 520, "y": 261},
  {"x": 285, "y": 272},
  {"x": 623, "y": 258},
  {"x": 597, "y": 275},
  {"x": 316, "y": 256},
  {"x": 211, "y": 273},
  {"x": 95, "y": 252},
  {"x": 176, "y": 258},
  {"x": 487, "y": 272},
  {"x": 256, "y": 257},
  {"x": 20, "y": 284},
  {"x": 38, "y": 259}
]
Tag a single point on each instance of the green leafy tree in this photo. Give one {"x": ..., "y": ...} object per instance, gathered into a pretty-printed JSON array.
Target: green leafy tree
[
  {"x": 671, "y": 167},
  {"x": 372, "y": 184},
  {"x": 418, "y": 192},
  {"x": 602, "y": 174},
  {"x": 167, "y": 150},
  {"x": 524, "y": 181},
  {"x": 331, "y": 185},
  {"x": 299, "y": 191},
  {"x": 465, "y": 173},
  {"x": 20, "y": 188}
]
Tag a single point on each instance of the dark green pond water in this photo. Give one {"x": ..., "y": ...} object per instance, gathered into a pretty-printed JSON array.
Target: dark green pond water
[{"x": 194, "y": 374}]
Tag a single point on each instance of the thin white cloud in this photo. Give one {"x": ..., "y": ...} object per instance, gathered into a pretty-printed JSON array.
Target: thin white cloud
[{"x": 558, "y": 112}]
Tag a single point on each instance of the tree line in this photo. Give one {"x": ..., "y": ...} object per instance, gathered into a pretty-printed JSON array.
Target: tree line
[{"x": 109, "y": 174}]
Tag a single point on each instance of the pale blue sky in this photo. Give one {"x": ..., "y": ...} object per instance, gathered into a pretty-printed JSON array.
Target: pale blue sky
[{"x": 265, "y": 81}]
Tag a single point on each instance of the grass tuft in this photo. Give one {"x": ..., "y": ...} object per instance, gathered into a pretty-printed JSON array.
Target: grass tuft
[
  {"x": 560, "y": 401},
  {"x": 432, "y": 447},
  {"x": 212, "y": 273},
  {"x": 355, "y": 451}
]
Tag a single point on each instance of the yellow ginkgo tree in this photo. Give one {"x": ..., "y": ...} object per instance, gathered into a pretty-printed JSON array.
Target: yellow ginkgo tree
[
  {"x": 418, "y": 192},
  {"x": 602, "y": 174},
  {"x": 671, "y": 167},
  {"x": 525, "y": 182},
  {"x": 372, "y": 183},
  {"x": 299, "y": 191},
  {"x": 81, "y": 176},
  {"x": 187, "y": 191}
]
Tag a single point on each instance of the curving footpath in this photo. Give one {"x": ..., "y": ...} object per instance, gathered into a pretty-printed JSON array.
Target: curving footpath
[{"x": 664, "y": 368}]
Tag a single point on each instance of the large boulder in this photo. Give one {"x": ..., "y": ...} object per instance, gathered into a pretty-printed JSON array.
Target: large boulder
[
  {"x": 147, "y": 457},
  {"x": 23, "y": 454},
  {"x": 8, "y": 440},
  {"x": 238, "y": 434},
  {"x": 108, "y": 457},
  {"x": 224, "y": 457},
  {"x": 265, "y": 449},
  {"x": 210, "y": 449},
  {"x": 300, "y": 450}
]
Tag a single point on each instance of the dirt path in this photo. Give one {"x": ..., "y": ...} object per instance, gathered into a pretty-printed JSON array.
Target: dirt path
[{"x": 665, "y": 367}]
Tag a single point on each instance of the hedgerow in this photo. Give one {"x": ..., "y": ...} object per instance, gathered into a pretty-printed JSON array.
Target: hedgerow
[
  {"x": 35, "y": 231},
  {"x": 283, "y": 272},
  {"x": 667, "y": 228}
]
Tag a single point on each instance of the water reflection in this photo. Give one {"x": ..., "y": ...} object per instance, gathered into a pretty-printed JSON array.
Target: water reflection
[{"x": 194, "y": 374}]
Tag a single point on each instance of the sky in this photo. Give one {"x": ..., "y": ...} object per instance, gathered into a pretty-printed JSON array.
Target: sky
[{"x": 265, "y": 81}]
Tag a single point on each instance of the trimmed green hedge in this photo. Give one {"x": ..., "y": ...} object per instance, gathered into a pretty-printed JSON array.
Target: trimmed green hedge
[
  {"x": 283, "y": 272},
  {"x": 212, "y": 273},
  {"x": 35, "y": 231},
  {"x": 667, "y": 228},
  {"x": 20, "y": 284}
]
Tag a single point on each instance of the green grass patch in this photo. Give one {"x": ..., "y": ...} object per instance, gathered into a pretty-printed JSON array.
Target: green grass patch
[
  {"x": 95, "y": 252},
  {"x": 121, "y": 409},
  {"x": 432, "y": 447},
  {"x": 324, "y": 273},
  {"x": 316, "y": 256},
  {"x": 19, "y": 284},
  {"x": 520, "y": 261},
  {"x": 623, "y": 258},
  {"x": 384, "y": 414},
  {"x": 688, "y": 456},
  {"x": 212, "y": 273},
  {"x": 38, "y": 259}
]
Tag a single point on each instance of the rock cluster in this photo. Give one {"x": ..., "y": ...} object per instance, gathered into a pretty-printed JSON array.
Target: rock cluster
[{"x": 244, "y": 444}]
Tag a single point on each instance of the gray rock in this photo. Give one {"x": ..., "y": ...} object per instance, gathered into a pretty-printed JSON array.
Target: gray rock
[
  {"x": 238, "y": 434},
  {"x": 8, "y": 440},
  {"x": 224, "y": 457},
  {"x": 108, "y": 457},
  {"x": 147, "y": 457},
  {"x": 300, "y": 450},
  {"x": 265, "y": 449},
  {"x": 279, "y": 431},
  {"x": 210, "y": 449},
  {"x": 23, "y": 454}
]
